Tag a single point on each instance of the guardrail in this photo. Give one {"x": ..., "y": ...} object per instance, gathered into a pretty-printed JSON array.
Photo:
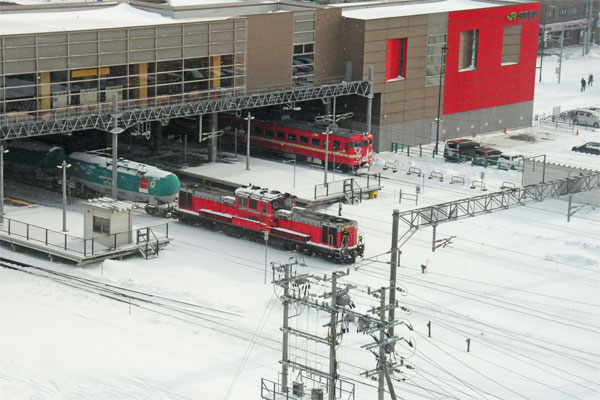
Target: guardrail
[
  {"x": 349, "y": 186},
  {"x": 85, "y": 247}
]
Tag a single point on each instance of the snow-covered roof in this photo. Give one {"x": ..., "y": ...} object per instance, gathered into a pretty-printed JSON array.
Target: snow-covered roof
[
  {"x": 106, "y": 203},
  {"x": 368, "y": 11},
  {"x": 186, "y": 3},
  {"x": 125, "y": 166},
  {"x": 105, "y": 17}
]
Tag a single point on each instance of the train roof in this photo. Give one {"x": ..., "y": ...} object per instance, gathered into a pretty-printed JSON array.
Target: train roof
[
  {"x": 324, "y": 218},
  {"x": 124, "y": 166},
  {"x": 32, "y": 145},
  {"x": 259, "y": 193},
  {"x": 316, "y": 127}
]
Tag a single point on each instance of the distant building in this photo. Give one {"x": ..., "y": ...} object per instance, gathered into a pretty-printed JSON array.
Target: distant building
[
  {"x": 571, "y": 16},
  {"x": 69, "y": 59}
]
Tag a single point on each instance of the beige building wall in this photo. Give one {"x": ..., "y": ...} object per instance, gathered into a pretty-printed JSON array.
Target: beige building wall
[
  {"x": 329, "y": 55},
  {"x": 270, "y": 47}
]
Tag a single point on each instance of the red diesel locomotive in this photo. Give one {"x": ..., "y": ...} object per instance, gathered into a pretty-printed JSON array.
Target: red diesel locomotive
[
  {"x": 348, "y": 149},
  {"x": 257, "y": 213}
]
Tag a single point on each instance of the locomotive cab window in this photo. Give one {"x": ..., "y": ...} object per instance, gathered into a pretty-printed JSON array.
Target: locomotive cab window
[
  {"x": 315, "y": 142},
  {"x": 366, "y": 143},
  {"x": 336, "y": 144},
  {"x": 185, "y": 200},
  {"x": 303, "y": 139},
  {"x": 280, "y": 135},
  {"x": 243, "y": 201},
  {"x": 291, "y": 137},
  {"x": 252, "y": 204},
  {"x": 268, "y": 132},
  {"x": 356, "y": 145},
  {"x": 346, "y": 146}
]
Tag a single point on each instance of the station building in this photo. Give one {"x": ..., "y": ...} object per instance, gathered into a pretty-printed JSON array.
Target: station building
[{"x": 473, "y": 60}]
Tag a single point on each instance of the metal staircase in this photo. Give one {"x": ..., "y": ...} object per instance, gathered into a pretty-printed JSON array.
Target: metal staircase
[{"x": 147, "y": 243}]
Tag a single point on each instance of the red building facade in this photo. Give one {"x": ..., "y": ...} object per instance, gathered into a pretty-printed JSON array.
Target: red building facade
[{"x": 503, "y": 73}]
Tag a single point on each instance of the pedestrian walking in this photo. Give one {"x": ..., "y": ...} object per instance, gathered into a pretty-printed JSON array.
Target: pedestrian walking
[
  {"x": 583, "y": 84},
  {"x": 590, "y": 80}
]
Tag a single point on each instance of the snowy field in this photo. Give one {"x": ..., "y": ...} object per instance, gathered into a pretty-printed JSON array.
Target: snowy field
[{"x": 522, "y": 285}]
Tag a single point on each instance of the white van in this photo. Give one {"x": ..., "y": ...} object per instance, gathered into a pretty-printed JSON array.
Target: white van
[{"x": 586, "y": 117}]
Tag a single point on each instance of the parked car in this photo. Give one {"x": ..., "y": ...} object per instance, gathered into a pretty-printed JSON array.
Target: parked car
[
  {"x": 460, "y": 150},
  {"x": 510, "y": 161},
  {"x": 486, "y": 156},
  {"x": 586, "y": 117},
  {"x": 590, "y": 147}
]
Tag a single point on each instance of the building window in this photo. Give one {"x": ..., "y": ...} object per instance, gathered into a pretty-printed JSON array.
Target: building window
[
  {"x": 101, "y": 225},
  {"x": 511, "y": 45},
  {"x": 467, "y": 52},
  {"x": 303, "y": 61},
  {"x": 575, "y": 11},
  {"x": 395, "y": 60},
  {"x": 435, "y": 61},
  {"x": 550, "y": 14},
  {"x": 563, "y": 12}
]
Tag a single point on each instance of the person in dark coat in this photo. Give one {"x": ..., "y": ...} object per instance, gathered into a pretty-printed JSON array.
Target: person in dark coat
[
  {"x": 583, "y": 84},
  {"x": 590, "y": 80}
]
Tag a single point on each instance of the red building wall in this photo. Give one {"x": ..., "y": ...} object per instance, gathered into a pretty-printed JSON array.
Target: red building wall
[{"x": 491, "y": 84}]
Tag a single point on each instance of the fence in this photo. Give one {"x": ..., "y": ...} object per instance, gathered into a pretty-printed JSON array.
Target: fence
[
  {"x": 85, "y": 247},
  {"x": 350, "y": 186}
]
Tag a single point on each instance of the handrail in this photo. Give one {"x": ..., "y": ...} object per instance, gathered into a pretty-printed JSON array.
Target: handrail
[{"x": 67, "y": 242}]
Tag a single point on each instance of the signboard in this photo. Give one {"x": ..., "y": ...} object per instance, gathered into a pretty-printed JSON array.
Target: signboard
[{"x": 567, "y": 26}]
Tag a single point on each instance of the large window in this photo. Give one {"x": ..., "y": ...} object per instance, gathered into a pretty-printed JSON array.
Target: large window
[
  {"x": 435, "y": 59},
  {"x": 395, "y": 61},
  {"x": 563, "y": 12},
  {"x": 303, "y": 61},
  {"x": 467, "y": 53},
  {"x": 511, "y": 45},
  {"x": 575, "y": 11}
]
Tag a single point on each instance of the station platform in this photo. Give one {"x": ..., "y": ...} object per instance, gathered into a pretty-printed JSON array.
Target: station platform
[
  {"x": 71, "y": 246},
  {"x": 306, "y": 181}
]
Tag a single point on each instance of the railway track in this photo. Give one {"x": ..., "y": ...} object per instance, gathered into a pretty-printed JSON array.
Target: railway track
[{"x": 136, "y": 298}]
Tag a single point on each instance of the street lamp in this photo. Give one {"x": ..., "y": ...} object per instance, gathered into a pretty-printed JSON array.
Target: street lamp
[
  {"x": 437, "y": 127},
  {"x": 248, "y": 118},
  {"x": 64, "y": 167},
  {"x": 294, "y": 161},
  {"x": 2, "y": 152}
]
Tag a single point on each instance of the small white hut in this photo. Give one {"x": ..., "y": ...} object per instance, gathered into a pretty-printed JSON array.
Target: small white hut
[{"x": 109, "y": 222}]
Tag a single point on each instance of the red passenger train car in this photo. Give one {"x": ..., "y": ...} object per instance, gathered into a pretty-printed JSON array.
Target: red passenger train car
[
  {"x": 256, "y": 213},
  {"x": 348, "y": 149}
]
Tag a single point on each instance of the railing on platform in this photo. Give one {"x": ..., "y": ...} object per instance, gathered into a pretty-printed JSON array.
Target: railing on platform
[
  {"x": 58, "y": 240},
  {"x": 349, "y": 186},
  {"x": 310, "y": 387}
]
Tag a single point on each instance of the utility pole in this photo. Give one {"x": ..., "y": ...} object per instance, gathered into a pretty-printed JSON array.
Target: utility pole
[
  {"x": 332, "y": 337},
  {"x": 393, "y": 268},
  {"x": 115, "y": 143},
  {"x": 381, "y": 383},
  {"x": 2, "y": 151},
  {"x": 339, "y": 305}
]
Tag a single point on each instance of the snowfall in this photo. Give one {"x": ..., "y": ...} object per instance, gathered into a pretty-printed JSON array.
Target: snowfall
[{"x": 519, "y": 287}]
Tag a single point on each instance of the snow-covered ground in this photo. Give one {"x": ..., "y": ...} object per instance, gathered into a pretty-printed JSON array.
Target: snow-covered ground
[{"x": 522, "y": 285}]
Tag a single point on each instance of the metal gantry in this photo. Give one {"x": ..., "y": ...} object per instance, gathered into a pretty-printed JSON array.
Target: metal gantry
[
  {"x": 134, "y": 112},
  {"x": 502, "y": 200}
]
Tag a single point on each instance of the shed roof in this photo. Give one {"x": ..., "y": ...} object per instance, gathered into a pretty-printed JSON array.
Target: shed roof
[{"x": 106, "y": 203}]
